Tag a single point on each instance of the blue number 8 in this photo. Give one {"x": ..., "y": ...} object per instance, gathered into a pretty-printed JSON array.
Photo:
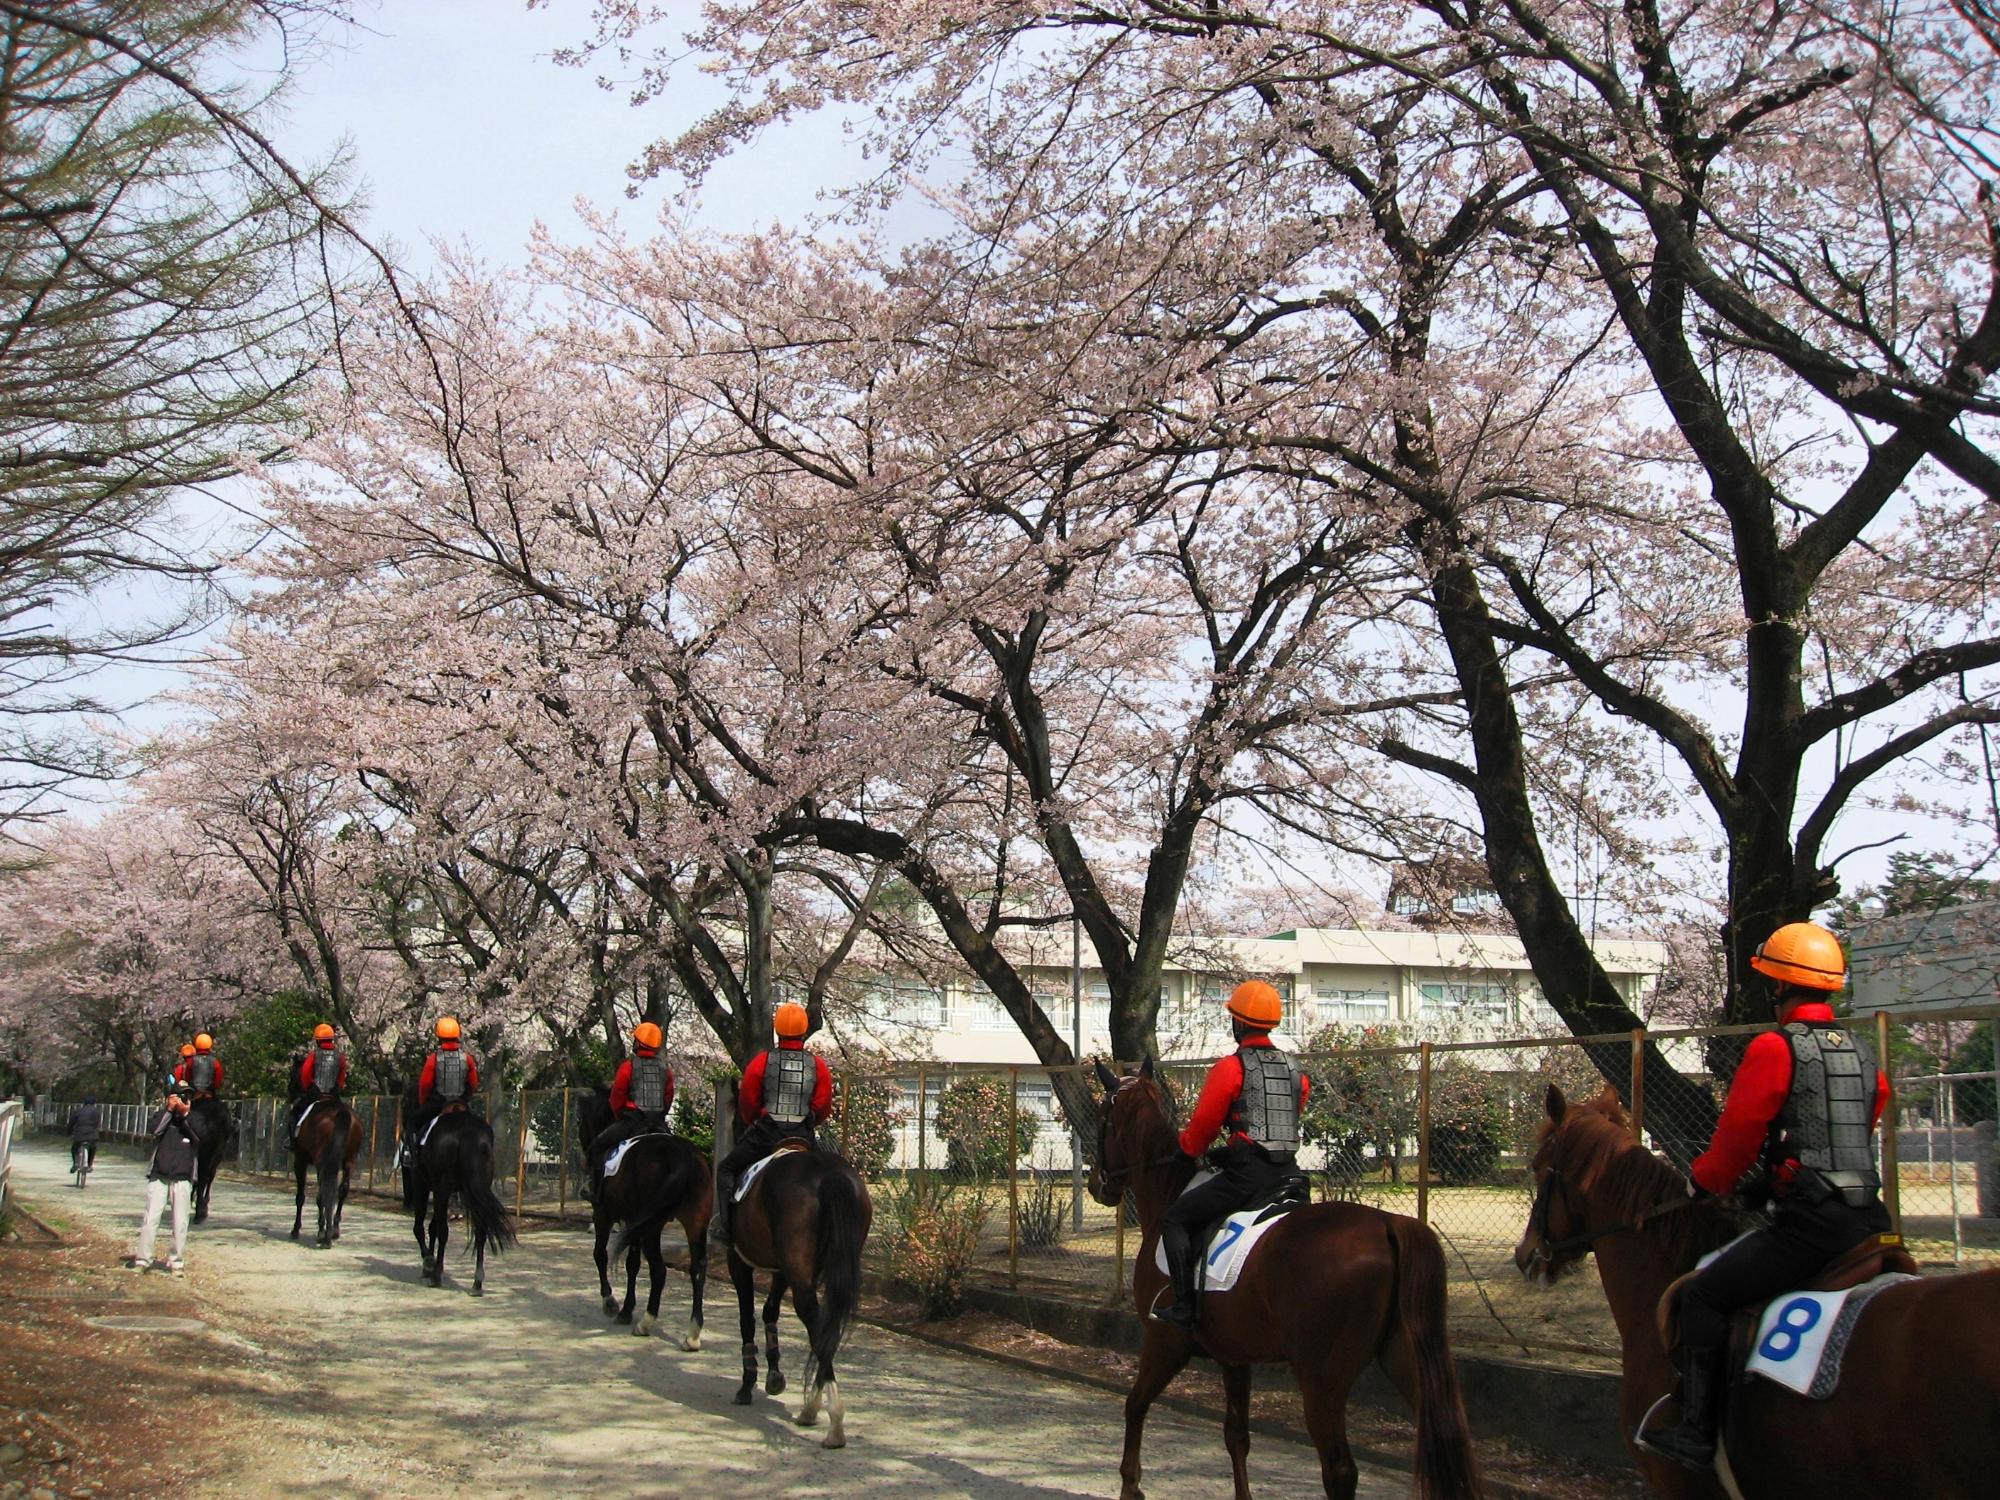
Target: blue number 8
[{"x": 1795, "y": 1320}]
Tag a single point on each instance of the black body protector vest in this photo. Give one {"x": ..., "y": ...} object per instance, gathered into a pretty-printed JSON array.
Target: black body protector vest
[
  {"x": 326, "y": 1069},
  {"x": 1268, "y": 1108},
  {"x": 1825, "y": 1124},
  {"x": 789, "y": 1076},
  {"x": 649, "y": 1085},
  {"x": 201, "y": 1071},
  {"x": 448, "y": 1082}
]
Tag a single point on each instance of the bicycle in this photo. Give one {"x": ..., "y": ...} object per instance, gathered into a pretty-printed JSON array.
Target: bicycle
[{"x": 82, "y": 1157}]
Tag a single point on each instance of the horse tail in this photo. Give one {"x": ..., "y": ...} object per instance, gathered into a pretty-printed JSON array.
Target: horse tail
[
  {"x": 333, "y": 1145},
  {"x": 482, "y": 1205},
  {"x": 843, "y": 1227},
  {"x": 1445, "y": 1466}
]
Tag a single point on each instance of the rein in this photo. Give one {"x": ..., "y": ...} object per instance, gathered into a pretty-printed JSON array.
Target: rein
[{"x": 1547, "y": 1250}]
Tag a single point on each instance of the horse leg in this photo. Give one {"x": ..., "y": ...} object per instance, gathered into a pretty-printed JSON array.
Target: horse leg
[
  {"x": 1236, "y": 1425},
  {"x": 746, "y": 1310},
  {"x": 774, "y": 1378},
  {"x": 423, "y": 1202},
  {"x": 601, "y": 1229},
  {"x": 478, "y": 1258},
  {"x": 697, "y": 1237},
  {"x": 340, "y": 1203},
  {"x": 440, "y": 1233},
  {"x": 631, "y": 1282},
  {"x": 806, "y": 1305},
  {"x": 299, "y": 1202},
  {"x": 656, "y": 1277},
  {"x": 1325, "y": 1402},
  {"x": 1160, "y": 1360}
]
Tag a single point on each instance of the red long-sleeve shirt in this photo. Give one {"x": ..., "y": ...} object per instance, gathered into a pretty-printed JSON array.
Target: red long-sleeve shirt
[
  {"x": 621, "y": 1087},
  {"x": 306, "y": 1068},
  {"x": 1220, "y": 1093},
  {"x": 750, "y": 1094},
  {"x": 1762, "y": 1083},
  {"x": 427, "y": 1080}
]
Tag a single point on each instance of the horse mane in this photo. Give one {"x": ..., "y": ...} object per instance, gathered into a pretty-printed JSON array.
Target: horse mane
[{"x": 1603, "y": 1160}]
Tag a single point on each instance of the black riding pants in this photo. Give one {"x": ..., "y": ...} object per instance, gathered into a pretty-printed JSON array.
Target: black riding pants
[
  {"x": 1800, "y": 1243},
  {"x": 632, "y": 1122},
  {"x": 1246, "y": 1175}
]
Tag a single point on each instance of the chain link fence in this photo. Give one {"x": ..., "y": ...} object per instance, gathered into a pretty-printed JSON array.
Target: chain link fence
[{"x": 977, "y": 1166}]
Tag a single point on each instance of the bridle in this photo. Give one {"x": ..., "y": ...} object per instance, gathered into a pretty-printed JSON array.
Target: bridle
[
  {"x": 1121, "y": 1182},
  {"x": 1546, "y": 1250}
]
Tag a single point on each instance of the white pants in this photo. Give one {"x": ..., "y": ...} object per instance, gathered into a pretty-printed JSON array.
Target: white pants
[{"x": 158, "y": 1195}]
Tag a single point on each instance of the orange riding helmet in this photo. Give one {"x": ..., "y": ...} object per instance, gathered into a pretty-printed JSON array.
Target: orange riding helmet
[
  {"x": 1256, "y": 1003},
  {"x": 187, "y": 1049},
  {"x": 447, "y": 1028},
  {"x": 647, "y": 1035},
  {"x": 1804, "y": 954},
  {"x": 790, "y": 1020},
  {"x": 204, "y": 1042},
  {"x": 322, "y": 1032}
]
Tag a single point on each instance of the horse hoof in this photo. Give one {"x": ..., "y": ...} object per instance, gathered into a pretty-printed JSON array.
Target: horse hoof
[
  {"x": 833, "y": 1440},
  {"x": 692, "y": 1343},
  {"x": 610, "y": 1307},
  {"x": 774, "y": 1383},
  {"x": 807, "y": 1418},
  {"x": 645, "y": 1326},
  {"x": 624, "y": 1315},
  {"x": 478, "y": 1289},
  {"x": 742, "y": 1397},
  {"x": 295, "y": 1234}
]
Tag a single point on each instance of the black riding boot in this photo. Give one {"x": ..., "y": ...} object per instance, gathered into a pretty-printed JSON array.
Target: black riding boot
[
  {"x": 1179, "y": 1248},
  {"x": 725, "y": 1193},
  {"x": 1692, "y": 1443}
]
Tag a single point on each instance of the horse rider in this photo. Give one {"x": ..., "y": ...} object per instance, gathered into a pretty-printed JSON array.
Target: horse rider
[
  {"x": 200, "y": 1068},
  {"x": 449, "y": 1078},
  {"x": 785, "y": 1093},
  {"x": 86, "y": 1121},
  {"x": 322, "y": 1075},
  {"x": 1797, "y": 1129},
  {"x": 1254, "y": 1098},
  {"x": 642, "y": 1091},
  {"x": 181, "y": 1063}
]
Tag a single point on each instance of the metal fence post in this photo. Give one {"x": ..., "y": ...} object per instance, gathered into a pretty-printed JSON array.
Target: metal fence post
[
  {"x": 521, "y": 1152},
  {"x": 1639, "y": 1084},
  {"x": 1892, "y": 1186},
  {"x": 374, "y": 1117},
  {"x": 562, "y": 1159},
  {"x": 923, "y": 1155},
  {"x": 1014, "y": 1178},
  {"x": 1424, "y": 1133}
]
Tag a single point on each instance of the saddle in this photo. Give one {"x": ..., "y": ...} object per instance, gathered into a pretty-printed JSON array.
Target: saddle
[
  {"x": 1878, "y": 1255},
  {"x": 755, "y": 1169}
]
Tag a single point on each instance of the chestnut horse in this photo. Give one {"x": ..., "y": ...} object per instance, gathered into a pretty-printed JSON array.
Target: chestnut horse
[
  {"x": 1330, "y": 1287},
  {"x": 1917, "y": 1411},
  {"x": 329, "y": 1139}
]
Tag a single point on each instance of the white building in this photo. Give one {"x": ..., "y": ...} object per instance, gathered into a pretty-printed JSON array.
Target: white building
[{"x": 1465, "y": 985}]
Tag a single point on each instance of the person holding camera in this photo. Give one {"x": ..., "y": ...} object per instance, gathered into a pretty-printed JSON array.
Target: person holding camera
[{"x": 170, "y": 1177}]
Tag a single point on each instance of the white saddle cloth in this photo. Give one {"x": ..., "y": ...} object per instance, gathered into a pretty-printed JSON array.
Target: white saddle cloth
[{"x": 617, "y": 1156}]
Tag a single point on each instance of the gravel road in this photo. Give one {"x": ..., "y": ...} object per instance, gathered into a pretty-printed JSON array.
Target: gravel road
[{"x": 360, "y": 1380}]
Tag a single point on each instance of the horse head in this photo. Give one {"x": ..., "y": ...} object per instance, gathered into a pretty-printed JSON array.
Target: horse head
[
  {"x": 1133, "y": 1107},
  {"x": 1576, "y": 1201}
]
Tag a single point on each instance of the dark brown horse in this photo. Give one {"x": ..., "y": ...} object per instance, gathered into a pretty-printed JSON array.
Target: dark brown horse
[
  {"x": 328, "y": 1139},
  {"x": 1917, "y": 1411},
  {"x": 805, "y": 1220},
  {"x": 1329, "y": 1288},
  {"x": 218, "y": 1131},
  {"x": 661, "y": 1177}
]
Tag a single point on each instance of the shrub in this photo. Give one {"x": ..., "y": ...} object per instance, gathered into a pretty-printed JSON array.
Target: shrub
[
  {"x": 1044, "y": 1209},
  {"x": 1363, "y": 1104},
  {"x": 693, "y": 1114},
  {"x": 1469, "y": 1121},
  {"x": 867, "y": 1113},
  {"x": 972, "y": 1116},
  {"x": 935, "y": 1239}
]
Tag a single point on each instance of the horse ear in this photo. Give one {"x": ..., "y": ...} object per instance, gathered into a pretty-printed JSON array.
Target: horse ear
[
  {"x": 1555, "y": 1103},
  {"x": 1146, "y": 1068},
  {"x": 1106, "y": 1077}
]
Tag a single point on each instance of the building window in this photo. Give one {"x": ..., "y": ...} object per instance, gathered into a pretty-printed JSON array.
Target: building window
[
  {"x": 1352, "y": 1007},
  {"x": 988, "y": 1014},
  {"x": 1477, "y": 1002},
  {"x": 908, "y": 1002}
]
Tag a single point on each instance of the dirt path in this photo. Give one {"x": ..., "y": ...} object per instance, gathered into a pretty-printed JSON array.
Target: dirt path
[{"x": 355, "y": 1379}]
